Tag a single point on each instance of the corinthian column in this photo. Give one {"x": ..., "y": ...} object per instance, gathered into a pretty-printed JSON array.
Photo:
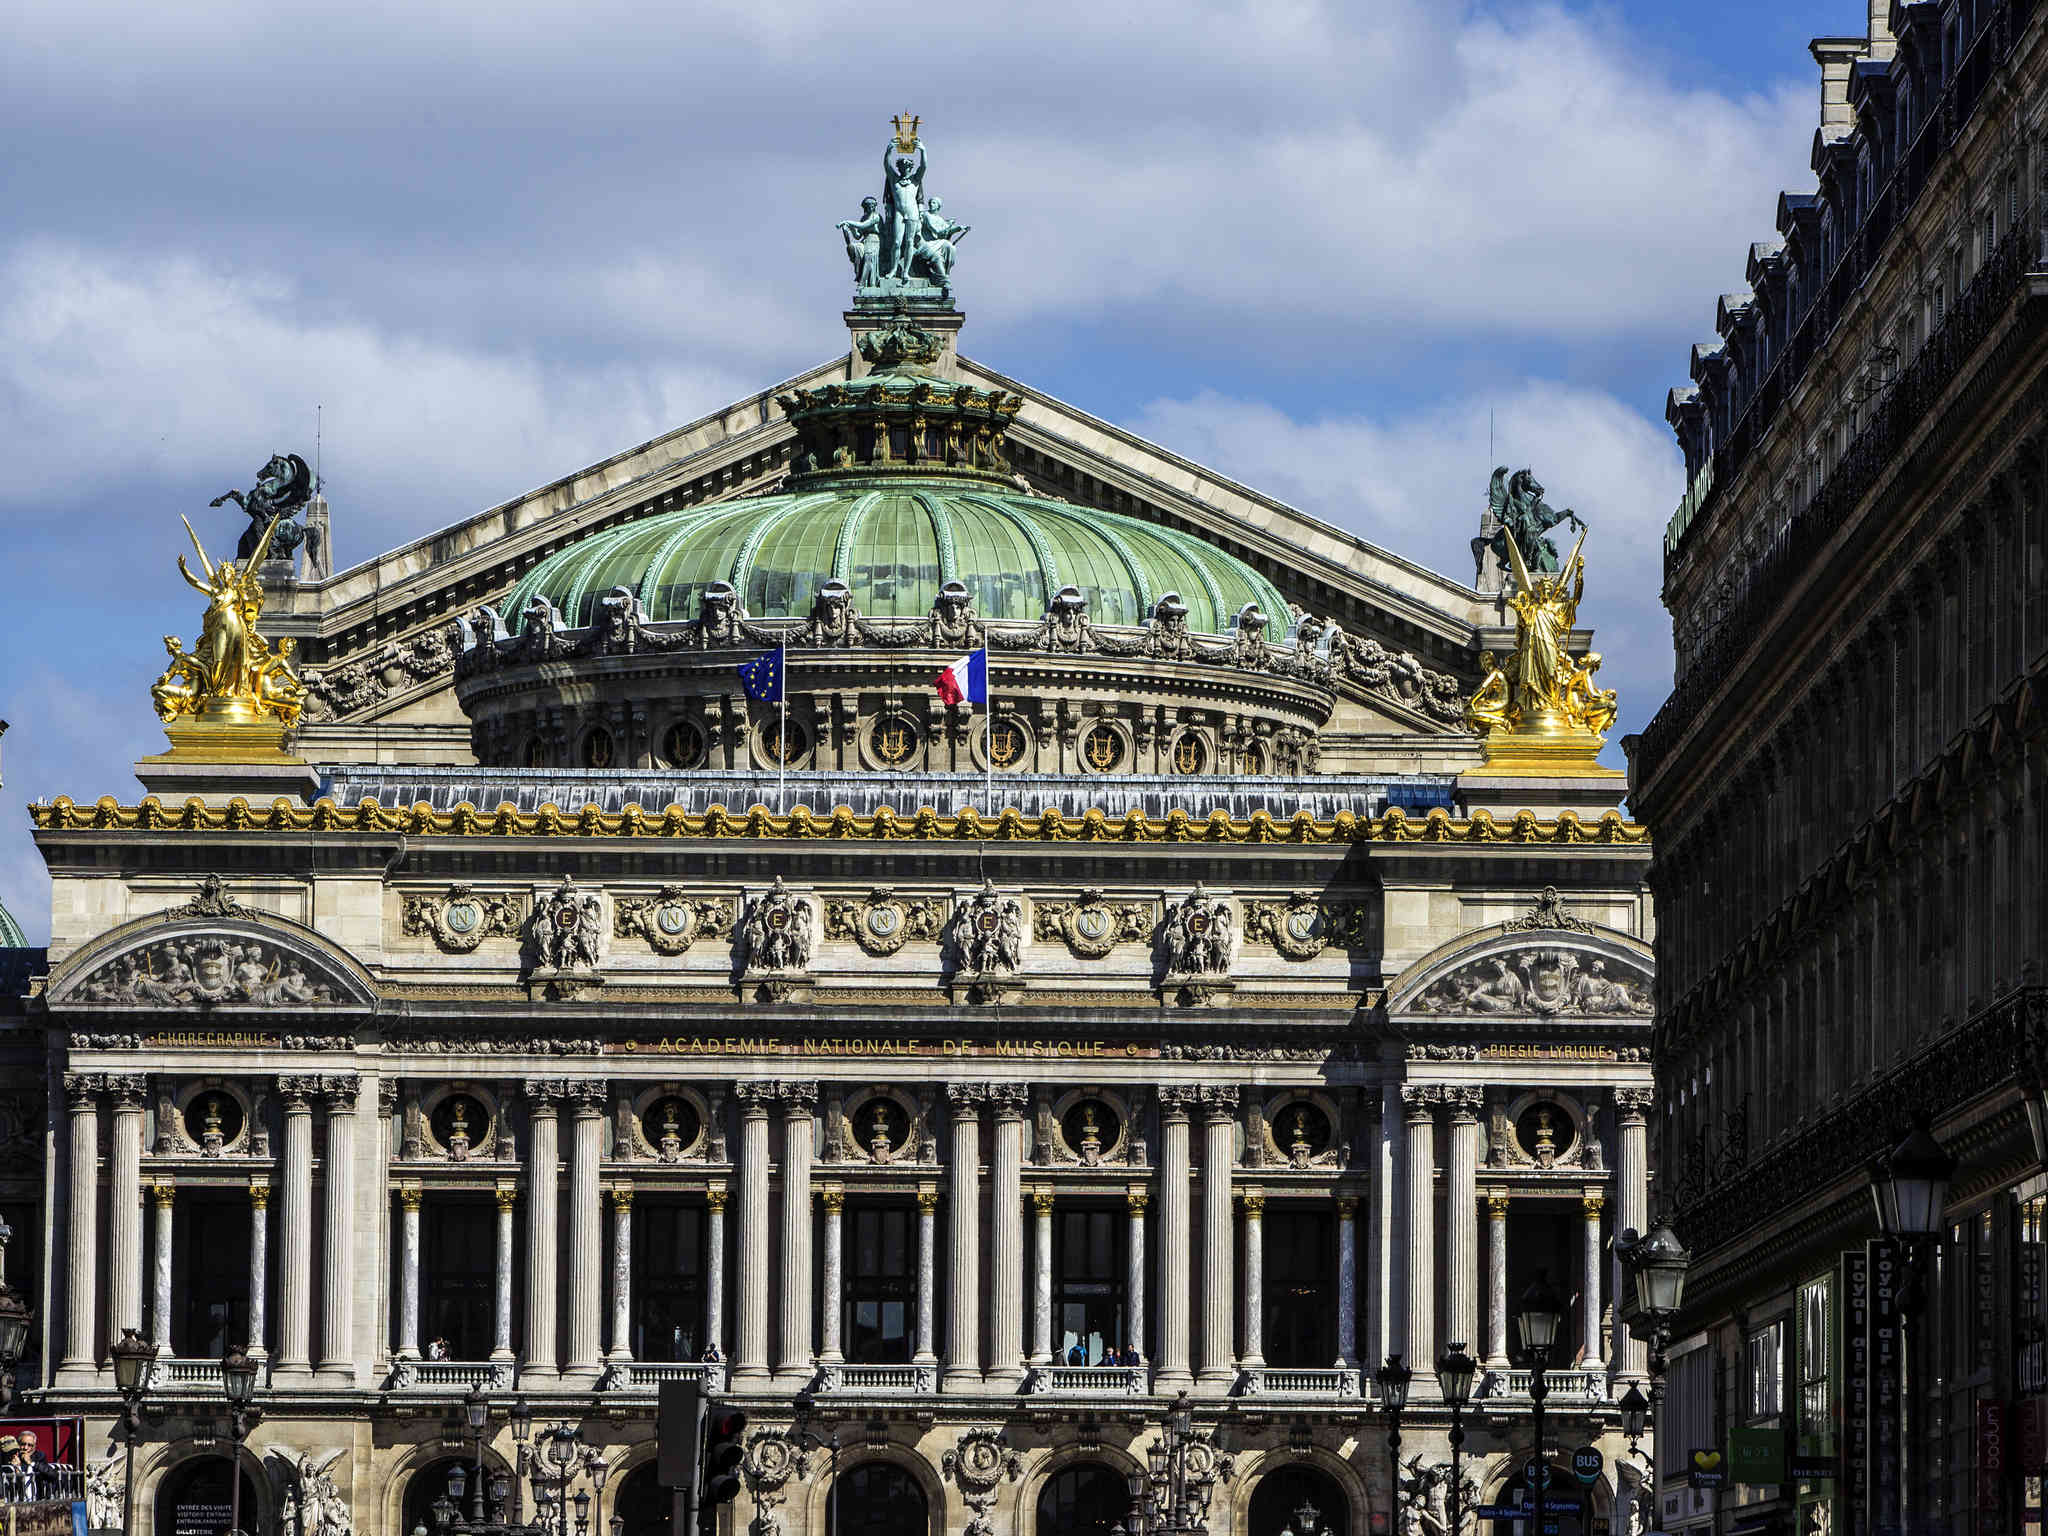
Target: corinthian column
[
  {"x": 1134, "y": 1280},
  {"x": 1461, "y": 1202},
  {"x": 831, "y": 1284},
  {"x": 1497, "y": 1279},
  {"x": 963, "y": 1271},
  {"x": 1632, "y": 1198},
  {"x": 1589, "y": 1290},
  {"x": 1219, "y": 1274},
  {"x": 1175, "y": 1236},
  {"x": 714, "y": 1268},
  {"x": 259, "y": 1268},
  {"x": 1254, "y": 1201},
  {"x": 750, "y": 1347},
  {"x": 586, "y": 1233},
  {"x": 543, "y": 1221},
  {"x": 408, "y": 1272},
  {"x": 81, "y": 1270},
  {"x": 622, "y": 1273},
  {"x": 927, "y": 1272},
  {"x": 124, "y": 1205},
  {"x": 1006, "y": 1242},
  {"x": 1041, "y": 1278},
  {"x": 294, "y": 1277},
  {"x": 1419, "y": 1101},
  {"x": 501, "y": 1289},
  {"x": 799, "y": 1108},
  {"x": 337, "y": 1271}
]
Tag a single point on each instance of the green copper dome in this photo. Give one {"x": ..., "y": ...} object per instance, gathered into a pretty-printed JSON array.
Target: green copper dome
[
  {"x": 11, "y": 936},
  {"x": 894, "y": 540}
]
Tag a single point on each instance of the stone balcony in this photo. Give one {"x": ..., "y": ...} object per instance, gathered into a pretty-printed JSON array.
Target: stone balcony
[
  {"x": 442, "y": 1376},
  {"x": 1090, "y": 1380},
  {"x": 1274, "y": 1383},
  {"x": 1565, "y": 1386},
  {"x": 882, "y": 1380}
]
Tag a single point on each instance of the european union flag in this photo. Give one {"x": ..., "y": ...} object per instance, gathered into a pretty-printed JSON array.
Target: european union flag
[{"x": 762, "y": 677}]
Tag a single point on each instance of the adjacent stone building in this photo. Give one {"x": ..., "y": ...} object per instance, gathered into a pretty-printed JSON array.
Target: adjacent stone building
[
  {"x": 955, "y": 1084},
  {"x": 1847, "y": 792}
]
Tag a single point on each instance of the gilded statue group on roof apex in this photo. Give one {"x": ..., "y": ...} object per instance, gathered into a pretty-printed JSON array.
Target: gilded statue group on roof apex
[{"x": 903, "y": 244}]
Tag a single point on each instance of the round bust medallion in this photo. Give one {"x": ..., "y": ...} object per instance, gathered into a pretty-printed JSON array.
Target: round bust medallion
[
  {"x": 1091, "y": 1129},
  {"x": 458, "y": 1123},
  {"x": 1301, "y": 1131},
  {"x": 670, "y": 1125},
  {"x": 880, "y": 1127},
  {"x": 213, "y": 1120}
]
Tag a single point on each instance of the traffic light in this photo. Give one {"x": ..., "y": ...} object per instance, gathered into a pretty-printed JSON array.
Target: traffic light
[
  {"x": 725, "y": 1429},
  {"x": 679, "y": 1431}
]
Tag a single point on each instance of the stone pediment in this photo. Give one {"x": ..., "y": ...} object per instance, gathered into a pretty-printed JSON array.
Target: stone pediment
[
  {"x": 1516, "y": 971},
  {"x": 196, "y": 959}
]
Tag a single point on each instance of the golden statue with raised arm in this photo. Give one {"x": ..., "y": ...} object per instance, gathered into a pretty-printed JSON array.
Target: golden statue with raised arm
[{"x": 232, "y": 676}]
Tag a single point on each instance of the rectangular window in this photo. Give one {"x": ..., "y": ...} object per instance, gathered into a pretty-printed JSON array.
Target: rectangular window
[
  {"x": 668, "y": 1279},
  {"x": 210, "y": 1258},
  {"x": 1088, "y": 1284},
  {"x": 881, "y": 1283},
  {"x": 1764, "y": 1375},
  {"x": 1301, "y": 1288},
  {"x": 458, "y": 1276},
  {"x": 1816, "y": 1366}
]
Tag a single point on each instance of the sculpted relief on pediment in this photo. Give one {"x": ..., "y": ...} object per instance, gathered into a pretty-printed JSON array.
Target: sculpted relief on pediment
[
  {"x": 1547, "y": 981},
  {"x": 214, "y": 970}
]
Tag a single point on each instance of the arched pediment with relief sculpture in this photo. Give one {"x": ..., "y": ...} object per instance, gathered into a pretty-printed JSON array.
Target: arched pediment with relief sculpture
[
  {"x": 211, "y": 952},
  {"x": 1570, "y": 970}
]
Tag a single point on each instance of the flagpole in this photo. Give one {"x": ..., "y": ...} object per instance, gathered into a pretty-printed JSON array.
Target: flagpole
[
  {"x": 989, "y": 708},
  {"x": 782, "y": 757}
]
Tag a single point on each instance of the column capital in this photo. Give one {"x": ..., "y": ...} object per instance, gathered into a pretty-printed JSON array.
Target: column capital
[
  {"x": 297, "y": 1091},
  {"x": 1419, "y": 1101},
  {"x": 164, "y": 1193},
  {"x": 622, "y": 1198},
  {"x": 259, "y": 1194},
  {"x": 83, "y": 1089},
  {"x": 1347, "y": 1207},
  {"x": 586, "y": 1096},
  {"x": 507, "y": 1196},
  {"x": 964, "y": 1100},
  {"x": 128, "y": 1089},
  {"x": 1176, "y": 1099},
  {"x": 1254, "y": 1203},
  {"x": 1137, "y": 1200},
  {"x": 1219, "y": 1101},
  {"x": 832, "y": 1197},
  {"x": 1591, "y": 1201},
  {"x": 927, "y": 1198},
  {"x": 714, "y": 1197},
  {"x": 1496, "y": 1204},
  {"x": 409, "y": 1195},
  {"x": 543, "y": 1095},
  {"x": 1464, "y": 1101},
  {"x": 387, "y": 1096},
  {"x": 1041, "y": 1201},
  {"x": 754, "y": 1096},
  {"x": 799, "y": 1099},
  {"x": 1011, "y": 1100},
  {"x": 338, "y": 1091},
  {"x": 1632, "y": 1104}
]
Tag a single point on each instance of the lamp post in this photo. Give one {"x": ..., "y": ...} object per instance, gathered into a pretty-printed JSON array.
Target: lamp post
[
  {"x": 476, "y": 1409},
  {"x": 132, "y": 1355},
  {"x": 238, "y": 1379},
  {"x": 1171, "y": 1496},
  {"x": 1657, "y": 1263},
  {"x": 1454, "y": 1372},
  {"x": 1910, "y": 1189},
  {"x": 559, "y": 1458},
  {"x": 15, "y": 1317},
  {"x": 521, "y": 1419},
  {"x": 1393, "y": 1378},
  {"x": 801, "y": 1432},
  {"x": 1537, "y": 1324}
]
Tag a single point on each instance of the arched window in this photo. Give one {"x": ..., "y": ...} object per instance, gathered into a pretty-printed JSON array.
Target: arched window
[
  {"x": 196, "y": 1499},
  {"x": 642, "y": 1503},
  {"x": 1298, "y": 1500},
  {"x": 877, "y": 1498},
  {"x": 1088, "y": 1499},
  {"x": 427, "y": 1484}
]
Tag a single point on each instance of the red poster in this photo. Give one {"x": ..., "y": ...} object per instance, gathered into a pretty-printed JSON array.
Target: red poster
[
  {"x": 1993, "y": 1425},
  {"x": 60, "y": 1442}
]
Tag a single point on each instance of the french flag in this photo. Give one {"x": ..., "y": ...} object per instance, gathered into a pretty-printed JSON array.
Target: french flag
[{"x": 966, "y": 679}]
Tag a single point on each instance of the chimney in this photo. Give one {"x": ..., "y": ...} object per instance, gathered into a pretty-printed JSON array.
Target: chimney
[
  {"x": 1836, "y": 57},
  {"x": 1882, "y": 44}
]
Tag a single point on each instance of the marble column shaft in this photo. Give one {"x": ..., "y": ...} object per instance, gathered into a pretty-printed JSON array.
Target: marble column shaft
[
  {"x": 963, "y": 1271},
  {"x": 750, "y": 1350},
  {"x": 1134, "y": 1281},
  {"x": 1254, "y": 1277},
  {"x": 294, "y": 1271},
  {"x": 501, "y": 1296},
  {"x": 338, "y": 1253},
  {"x": 1347, "y": 1280},
  {"x": 1218, "y": 1366},
  {"x": 82, "y": 1275},
  {"x": 586, "y": 1232},
  {"x": 543, "y": 1223},
  {"x": 622, "y": 1273},
  {"x": 1175, "y": 1237},
  {"x": 1497, "y": 1280},
  {"x": 164, "y": 1197},
  {"x": 1419, "y": 1101},
  {"x": 1461, "y": 1253},
  {"x": 1387, "y": 1261},
  {"x": 831, "y": 1276},
  {"x": 409, "y": 1272},
  {"x": 1590, "y": 1352},
  {"x": 1632, "y": 1198},
  {"x": 927, "y": 1276},
  {"x": 124, "y": 1207},
  {"x": 259, "y": 1268},
  {"x": 799, "y": 1106},
  {"x": 1006, "y": 1242},
  {"x": 714, "y": 1270},
  {"x": 1041, "y": 1279}
]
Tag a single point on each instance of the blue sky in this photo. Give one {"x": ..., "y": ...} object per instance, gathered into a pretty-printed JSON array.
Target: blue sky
[{"x": 1312, "y": 245}]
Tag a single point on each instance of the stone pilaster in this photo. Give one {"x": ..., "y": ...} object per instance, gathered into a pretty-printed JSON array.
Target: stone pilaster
[
  {"x": 714, "y": 1269},
  {"x": 163, "y": 1197},
  {"x": 1134, "y": 1279},
  {"x": 259, "y": 1269},
  {"x": 927, "y": 1276},
  {"x": 544, "y": 1097},
  {"x": 1254, "y": 1203},
  {"x": 1632, "y": 1199},
  {"x": 294, "y": 1271},
  {"x": 1418, "y": 1102},
  {"x": 1175, "y": 1236},
  {"x": 1218, "y": 1366},
  {"x": 1461, "y": 1203},
  {"x": 501, "y": 1292},
  {"x": 750, "y": 1348},
  {"x": 1497, "y": 1279},
  {"x": 409, "y": 1196},
  {"x": 339, "y": 1092},
  {"x": 586, "y": 1233},
  {"x": 124, "y": 1204},
  {"x": 832, "y": 1286},
  {"x": 963, "y": 1271},
  {"x": 799, "y": 1114},
  {"x": 1006, "y": 1243},
  {"x": 622, "y": 1273}
]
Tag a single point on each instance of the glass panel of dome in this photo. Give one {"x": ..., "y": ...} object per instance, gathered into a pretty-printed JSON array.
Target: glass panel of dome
[
  {"x": 896, "y": 560},
  {"x": 1089, "y": 561},
  {"x": 707, "y": 555},
  {"x": 996, "y": 562}
]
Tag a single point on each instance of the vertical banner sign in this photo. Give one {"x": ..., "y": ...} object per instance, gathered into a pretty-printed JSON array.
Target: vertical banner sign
[
  {"x": 1886, "y": 1274},
  {"x": 2027, "y": 1314},
  {"x": 1984, "y": 1297},
  {"x": 1994, "y": 1420},
  {"x": 1854, "y": 1506}
]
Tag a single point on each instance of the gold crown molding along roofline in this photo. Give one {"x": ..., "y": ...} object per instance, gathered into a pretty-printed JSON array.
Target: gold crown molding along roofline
[{"x": 1394, "y": 826}]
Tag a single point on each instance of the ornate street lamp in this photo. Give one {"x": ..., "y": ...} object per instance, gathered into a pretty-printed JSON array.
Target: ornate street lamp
[
  {"x": 1171, "y": 1497},
  {"x": 1910, "y": 1189},
  {"x": 1393, "y": 1378},
  {"x": 1657, "y": 1265},
  {"x": 133, "y": 1355},
  {"x": 558, "y": 1458},
  {"x": 1455, "y": 1370},
  {"x": 15, "y": 1318},
  {"x": 1537, "y": 1324},
  {"x": 476, "y": 1410},
  {"x": 238, "y": 1379}
]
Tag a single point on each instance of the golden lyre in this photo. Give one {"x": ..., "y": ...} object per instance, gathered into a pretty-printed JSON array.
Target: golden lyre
[{"x": 906, "y": 132}]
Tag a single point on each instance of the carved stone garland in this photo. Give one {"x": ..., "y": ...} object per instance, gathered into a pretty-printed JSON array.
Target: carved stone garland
[{"x": 882, "y": 922}]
